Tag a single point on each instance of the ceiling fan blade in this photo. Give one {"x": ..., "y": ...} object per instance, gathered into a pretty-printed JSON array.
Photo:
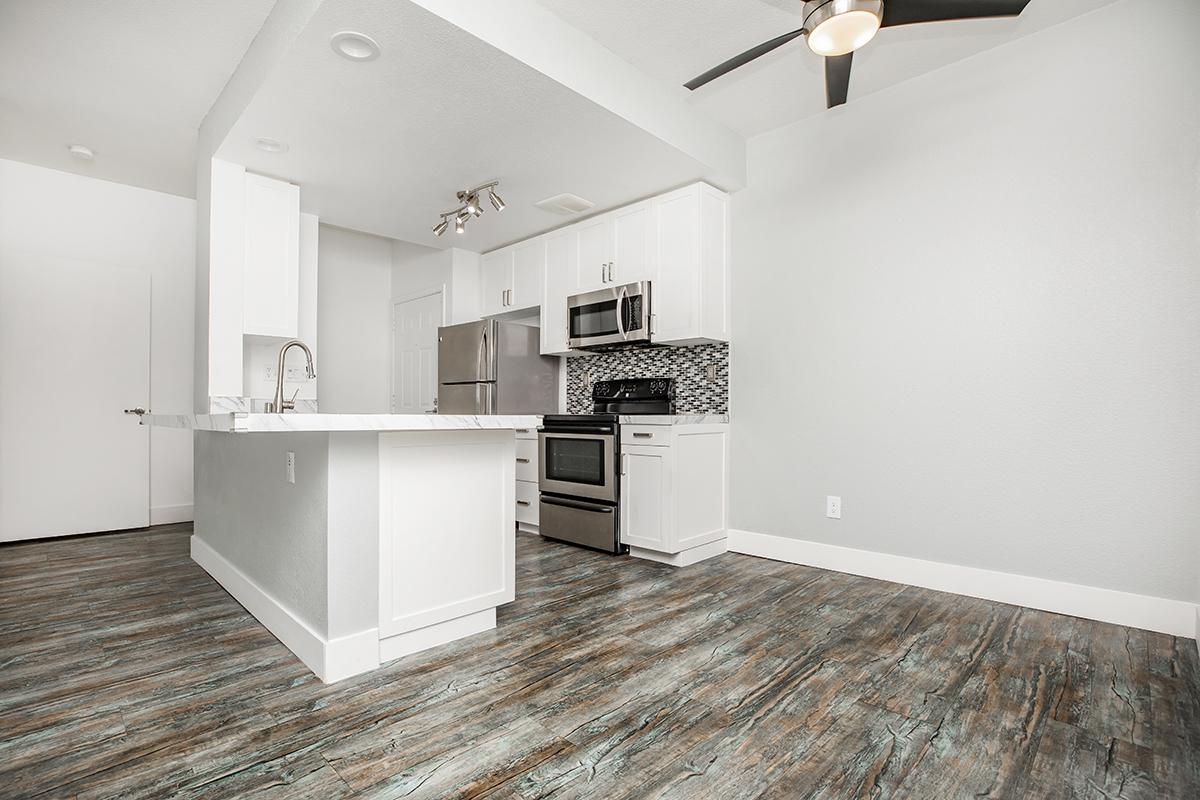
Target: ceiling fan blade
[
  {"x": 744, "y": 58},
  {"x": 837, "y": 79},
  {"x": 906, "y": 12}
]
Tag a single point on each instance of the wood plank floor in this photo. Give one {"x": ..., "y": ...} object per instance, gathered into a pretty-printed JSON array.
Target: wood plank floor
[{"x": 125, "y": 671}]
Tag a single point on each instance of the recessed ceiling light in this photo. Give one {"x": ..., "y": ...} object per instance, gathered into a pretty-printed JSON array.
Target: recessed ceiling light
[
  {"x": 270, "y": 145},
  {"x": 355, "y": 46},
  {"x": 81, "y": 152}
]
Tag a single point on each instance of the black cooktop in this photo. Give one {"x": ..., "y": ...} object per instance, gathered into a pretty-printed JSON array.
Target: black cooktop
[{"x": 611, "y": 398}]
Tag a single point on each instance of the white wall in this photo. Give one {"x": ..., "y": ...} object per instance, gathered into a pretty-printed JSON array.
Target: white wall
[
  {"x": 354, "y": 279},
  {"x": 57, "y": 214},
  {"x": 969, "y": 306}
]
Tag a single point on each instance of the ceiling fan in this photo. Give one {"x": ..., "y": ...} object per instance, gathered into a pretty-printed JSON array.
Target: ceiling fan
[{"x": 836, "y": 28}]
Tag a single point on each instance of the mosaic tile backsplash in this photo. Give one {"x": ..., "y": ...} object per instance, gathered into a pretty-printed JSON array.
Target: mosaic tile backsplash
[{"x": 694, "y": 392}]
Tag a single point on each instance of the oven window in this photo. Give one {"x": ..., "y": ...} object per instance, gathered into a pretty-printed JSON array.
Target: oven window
[
  {"x": 575, "y": 460},
  {"x": 596, "y": 319}
]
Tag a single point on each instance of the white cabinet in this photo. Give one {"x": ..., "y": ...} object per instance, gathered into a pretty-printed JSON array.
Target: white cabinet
[
  {"x": 527, "y": 496},
  {"x": 678, "y": 241},
  {"x": 674, "y": 491},
  {"x": 562, "y": 257},
  {"x": 691, "y": 288},
  {"x": 511, "y": 278},
  {"x": 271, "y": 274},
  {"x": 631, "y": 244}
]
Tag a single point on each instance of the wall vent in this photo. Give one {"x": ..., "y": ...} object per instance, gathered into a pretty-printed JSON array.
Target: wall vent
[{"x": 564, "y": 204}]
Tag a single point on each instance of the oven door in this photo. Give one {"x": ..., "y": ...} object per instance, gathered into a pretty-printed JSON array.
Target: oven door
[
  {"x": 613, "y": 316},
  {"x": 578, "y": 464}
]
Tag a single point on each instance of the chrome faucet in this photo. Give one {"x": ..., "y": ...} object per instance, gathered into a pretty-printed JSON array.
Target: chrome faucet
[{"x": 279, "y": 405}]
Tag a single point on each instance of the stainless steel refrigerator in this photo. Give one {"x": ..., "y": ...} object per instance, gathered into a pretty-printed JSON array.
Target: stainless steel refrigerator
[{"x": 492, "y": 367}]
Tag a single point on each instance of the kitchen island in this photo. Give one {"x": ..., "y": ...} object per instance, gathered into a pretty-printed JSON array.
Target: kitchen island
[{"x": 357, "y": 538}]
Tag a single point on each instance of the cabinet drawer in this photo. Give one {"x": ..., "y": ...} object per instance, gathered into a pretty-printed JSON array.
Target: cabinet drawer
[
  {"x": 655, "y": 435},
  {"x": 527, "y": 502},
  {"x": 527, "y": 468}
]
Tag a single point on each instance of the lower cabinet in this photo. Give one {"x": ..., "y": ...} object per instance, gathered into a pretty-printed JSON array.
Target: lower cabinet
[
  {"x": 674, "y": 491},
  {"x": 527, "y": 479}
]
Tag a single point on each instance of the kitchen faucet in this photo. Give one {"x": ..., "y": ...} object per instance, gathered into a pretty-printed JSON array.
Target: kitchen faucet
[{"x": 279, "y": 405}]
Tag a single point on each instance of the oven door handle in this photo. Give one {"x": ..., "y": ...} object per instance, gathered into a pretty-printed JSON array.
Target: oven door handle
[{"x": 579, "y": 504}]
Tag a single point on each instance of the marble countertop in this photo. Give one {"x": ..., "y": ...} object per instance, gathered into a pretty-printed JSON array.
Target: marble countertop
[
  {"x": 241, "y": 422},
  {"x": 675, "y": 419}
]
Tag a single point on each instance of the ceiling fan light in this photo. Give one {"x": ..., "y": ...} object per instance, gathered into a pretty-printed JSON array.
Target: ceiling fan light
[{"x": 838, "y": 27}]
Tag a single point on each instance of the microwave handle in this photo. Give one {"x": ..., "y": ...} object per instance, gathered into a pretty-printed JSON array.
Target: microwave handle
[{"x": 622, "y": 293}]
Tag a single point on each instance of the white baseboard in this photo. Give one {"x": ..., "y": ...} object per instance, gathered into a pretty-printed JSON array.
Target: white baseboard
[
  {"x": 329, "y": 660},
  {"x": 1175, "y": 617},
  {"x": 165, "y": 515},
  {"x": 684, "y": 558},
  {"x": 409, "y": 642}
]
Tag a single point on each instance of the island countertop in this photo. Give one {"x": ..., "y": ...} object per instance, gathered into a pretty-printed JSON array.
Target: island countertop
[{"x": 241, "y": 422}]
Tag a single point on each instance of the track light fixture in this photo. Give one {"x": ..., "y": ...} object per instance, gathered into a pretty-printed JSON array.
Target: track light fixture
[{"x": 470, "y": 205}]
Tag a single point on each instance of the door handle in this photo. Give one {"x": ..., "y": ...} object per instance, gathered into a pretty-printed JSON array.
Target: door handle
[{"x": 136, "y": 410}]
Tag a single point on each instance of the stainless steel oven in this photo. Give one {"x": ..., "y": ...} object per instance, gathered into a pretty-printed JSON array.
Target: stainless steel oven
[
  {"x": 579, "y": 462},
  {"x": 609, "y": 318}
]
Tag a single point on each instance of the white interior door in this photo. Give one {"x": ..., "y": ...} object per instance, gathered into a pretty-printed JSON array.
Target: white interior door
[
  {"x": 414, "y": 354},
  {"x": 74, "y": 353}
]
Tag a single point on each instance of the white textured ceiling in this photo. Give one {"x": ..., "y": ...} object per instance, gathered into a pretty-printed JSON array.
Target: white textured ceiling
[
  {"x": 675, "y": 40},
  {"x": 381, "y": 146},
  {"x": 131, "y": 79}
]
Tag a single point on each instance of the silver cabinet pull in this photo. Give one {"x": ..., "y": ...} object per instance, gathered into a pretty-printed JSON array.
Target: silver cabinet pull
[
  {"x": 522, "y": 502},
  {"x": 136, "y": 410},
  {"x": 643, "y": 435},
  {"x": 624, "y": 463},
  {"x": 522, "y": 460},
  {"x": 522, "y": 430}
]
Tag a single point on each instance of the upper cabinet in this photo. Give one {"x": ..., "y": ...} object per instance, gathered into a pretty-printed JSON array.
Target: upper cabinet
[
  {"x": 690, "y": 294},
  {"x": 271, "y": 276},
  {"x": 511, "y": 278},
  {"x": 678, "y": 241}
]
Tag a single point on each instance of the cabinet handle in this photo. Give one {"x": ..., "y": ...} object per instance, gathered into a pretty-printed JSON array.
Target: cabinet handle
[
  {"x": 610, "y": 275},
  {"x": 624, "y": 463},
  {"x": 522, "y": 502},
  {"x": 643, "y": 435},
  {"x": 522, "y": 430},
  {"x": 522, "y": 460}
]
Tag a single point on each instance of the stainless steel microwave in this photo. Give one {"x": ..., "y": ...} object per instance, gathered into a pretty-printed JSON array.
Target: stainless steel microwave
[{"x": 609, "y": 318}]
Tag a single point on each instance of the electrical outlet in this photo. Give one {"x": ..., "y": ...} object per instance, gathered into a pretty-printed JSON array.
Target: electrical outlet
[
  {"x": 291, "y": 467},
  {"x": 833, "y": 507},
  {"x": 712, "y": 373},
  {"x": 296, "y": 374},
  {"x": 268, "y": 373}
]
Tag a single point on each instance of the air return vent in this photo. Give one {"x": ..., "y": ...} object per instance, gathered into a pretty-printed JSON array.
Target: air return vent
[{"x": 564, "y": 204}]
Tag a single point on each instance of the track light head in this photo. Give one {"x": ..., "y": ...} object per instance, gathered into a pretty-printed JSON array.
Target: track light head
[
  {"x": 459, "y": 226},
  {"x": 471, "y": 205},
  {"x": 440, "y": 228},
  {"x": 497, "y": 203}
]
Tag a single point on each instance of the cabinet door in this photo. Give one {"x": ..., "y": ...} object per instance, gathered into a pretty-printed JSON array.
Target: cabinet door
[
  {"x": 591, "y": 253},
  {"x": 631, "y": 252},
  {"x": 529, "y": 264},
  {"x": 676, "y": 291},
  {"x": 561, "y": 273},
  {"x": 496, "y": 281},
  {"x": 271, "y": 275},
  {"x": 646, "y": 498}
]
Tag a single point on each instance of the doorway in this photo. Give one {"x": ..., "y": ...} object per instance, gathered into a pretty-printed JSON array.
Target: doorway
[{"x": 415, "y": 323}]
